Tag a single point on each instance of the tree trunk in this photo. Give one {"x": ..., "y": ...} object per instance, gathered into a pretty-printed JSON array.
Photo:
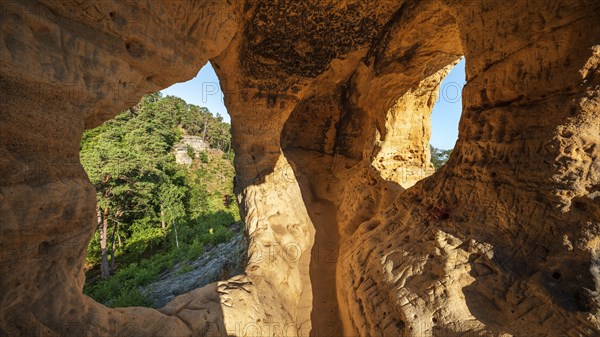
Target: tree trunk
[
  {"x": 112, "y": 250},
  {"x": 204, "y": 132},
  {"x": 162, "y": 222},
  {"x": 103, "y": 229},
  {"x": 176, "y": 238}
]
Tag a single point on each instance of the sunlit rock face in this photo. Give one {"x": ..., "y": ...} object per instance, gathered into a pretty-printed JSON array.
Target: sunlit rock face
[
  {"x": 189, "y": 148},
  {"x": 329, "y": 104}
]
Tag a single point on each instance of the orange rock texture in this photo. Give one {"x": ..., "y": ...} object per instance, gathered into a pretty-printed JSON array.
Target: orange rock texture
[{"x": 351, "y": 233}]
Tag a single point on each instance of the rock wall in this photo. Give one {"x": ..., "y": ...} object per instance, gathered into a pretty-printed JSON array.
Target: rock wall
[
  {"x": 330, "y": 104},
  {"x": 196, "y": 143}
]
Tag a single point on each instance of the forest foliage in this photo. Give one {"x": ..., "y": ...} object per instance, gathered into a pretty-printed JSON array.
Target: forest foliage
[
  {"x": 153, "y": 212},
  {"x": 439, "y": 157}
]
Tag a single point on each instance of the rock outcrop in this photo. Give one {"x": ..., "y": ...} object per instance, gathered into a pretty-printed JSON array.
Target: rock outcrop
[
  {"x": 329, "y": 104},
  {"x": 182, "y": 153},
  {"x": 217, "y": 264}
]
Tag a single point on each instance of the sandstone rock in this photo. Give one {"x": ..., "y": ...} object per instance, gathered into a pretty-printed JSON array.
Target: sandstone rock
[
  {"x": 329, "y": 102},
  {"x": 181, "y": 155},
  {"x": 196, "y": 143}
]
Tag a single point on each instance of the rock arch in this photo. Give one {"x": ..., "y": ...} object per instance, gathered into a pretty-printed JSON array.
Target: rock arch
[{"x": 502, "y": 240}]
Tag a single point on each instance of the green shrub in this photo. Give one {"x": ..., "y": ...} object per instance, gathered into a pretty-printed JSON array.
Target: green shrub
[
  {"x": 204, "y": 157},
  {"x": 220, "y": 235},
  {"x": 195, "y": 249},
  {"x": 131, "y": 297},
  {"x": 190, "y": 152}
]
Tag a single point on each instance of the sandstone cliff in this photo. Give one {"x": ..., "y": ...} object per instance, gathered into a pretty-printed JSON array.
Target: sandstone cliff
[{"x": 196, "y": 143}]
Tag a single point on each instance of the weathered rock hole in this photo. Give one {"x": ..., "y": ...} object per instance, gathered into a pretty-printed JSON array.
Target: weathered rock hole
[
  {"x": 446, "y": 114},
  {"x": 274, "y": 49},
  {"x": 135, "y": 49},
  {"x": 400, "y": 325},
  {"x": 44, "y": 248},
  {"x": 580, "y": 205},
  {"x": 190, "y": 115}
]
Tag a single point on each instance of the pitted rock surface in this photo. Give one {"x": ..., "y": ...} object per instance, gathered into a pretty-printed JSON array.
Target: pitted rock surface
[{"x": 349, "y": 230}]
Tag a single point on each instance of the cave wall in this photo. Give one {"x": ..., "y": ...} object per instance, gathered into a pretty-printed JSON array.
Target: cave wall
[{"x": 329, "y": 104}]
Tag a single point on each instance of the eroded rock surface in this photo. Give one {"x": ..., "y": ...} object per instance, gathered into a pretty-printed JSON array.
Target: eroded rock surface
[
  {"x": 329, "y": 103},
  {"x": 217, "y": 264}
]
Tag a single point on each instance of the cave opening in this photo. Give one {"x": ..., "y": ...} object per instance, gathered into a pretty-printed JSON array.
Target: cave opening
[
  {"x": 509, "y": 223},
  {"x": 445, "y": 115},
  {"x": 418, "y": 132},
  {"x": 163, "y": 174}
]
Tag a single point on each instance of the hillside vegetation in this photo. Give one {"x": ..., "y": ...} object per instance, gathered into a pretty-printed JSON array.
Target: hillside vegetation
[{"x": 152, "y": 212}]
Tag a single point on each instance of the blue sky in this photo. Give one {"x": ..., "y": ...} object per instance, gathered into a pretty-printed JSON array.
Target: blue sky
[
  {"x": 447, "y": 109},
  {"x": 204, "y": 90}
]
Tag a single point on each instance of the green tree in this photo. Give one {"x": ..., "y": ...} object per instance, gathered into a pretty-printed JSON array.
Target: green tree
[
  {"x": 439, "y": 157},
  {"x": 150, "y": 208}
]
